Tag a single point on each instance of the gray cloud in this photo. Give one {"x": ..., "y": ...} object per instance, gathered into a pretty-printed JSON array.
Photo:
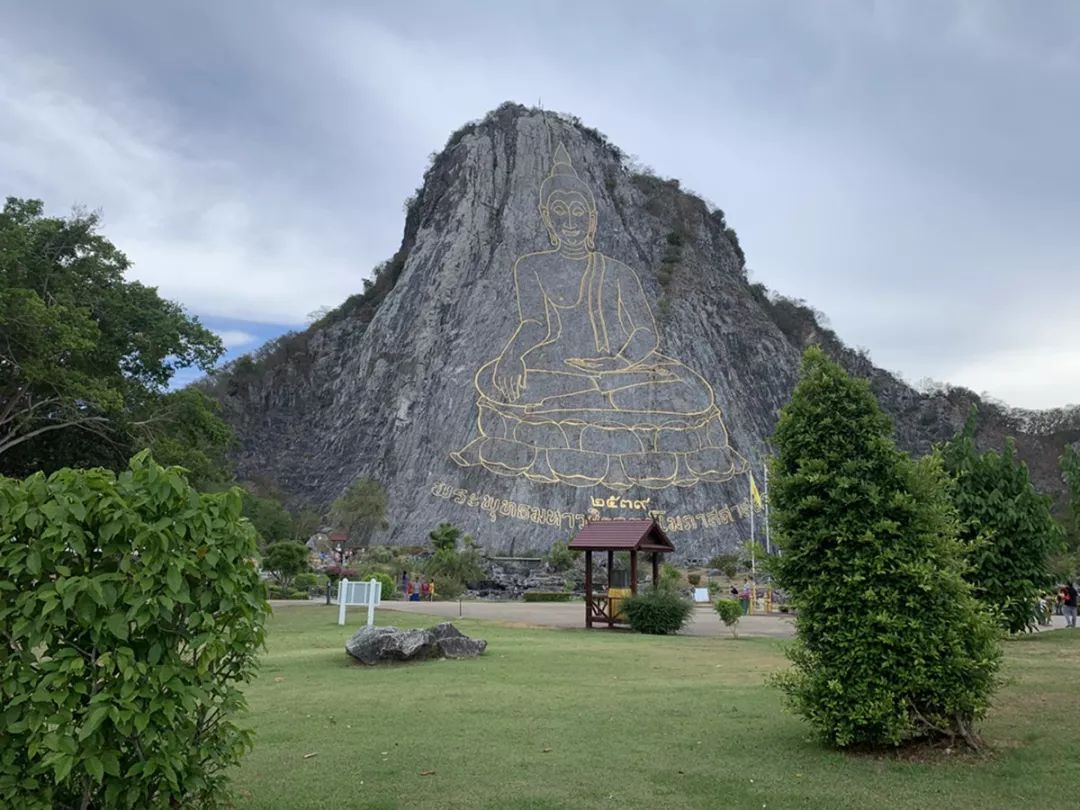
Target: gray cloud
[{"x": 909, "y": 168}]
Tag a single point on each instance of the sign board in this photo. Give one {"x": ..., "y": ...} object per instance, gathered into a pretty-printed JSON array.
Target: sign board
[
  {"x": 701, "y": 594},
  {"x": 359, "y": 593}
]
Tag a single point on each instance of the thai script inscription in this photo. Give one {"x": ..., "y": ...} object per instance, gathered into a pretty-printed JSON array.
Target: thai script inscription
[{"x": 496, "y": 508}]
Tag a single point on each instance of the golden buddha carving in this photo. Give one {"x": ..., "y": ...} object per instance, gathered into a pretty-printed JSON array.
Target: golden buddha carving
[{"x": 580, "y": 393}]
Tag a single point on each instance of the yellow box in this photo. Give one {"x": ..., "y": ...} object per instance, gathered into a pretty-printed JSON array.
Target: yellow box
[{"x": 615, "y": 598}]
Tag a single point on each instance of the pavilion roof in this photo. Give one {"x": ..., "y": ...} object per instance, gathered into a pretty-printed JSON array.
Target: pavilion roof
[{"x": 621, "y": 535}]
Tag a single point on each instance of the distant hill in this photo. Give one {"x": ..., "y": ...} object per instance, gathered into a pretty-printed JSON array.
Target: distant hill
[{"x": 560, "y": 333}]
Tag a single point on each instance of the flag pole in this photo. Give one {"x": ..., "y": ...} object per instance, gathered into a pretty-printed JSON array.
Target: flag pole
[
  {"x": 750, "y": 502},
  {"x": 753, "y": 552},
  {"x": 768, "y": 544}
]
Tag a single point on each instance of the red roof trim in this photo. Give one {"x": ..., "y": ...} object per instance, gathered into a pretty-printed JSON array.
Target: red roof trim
[{"x": 622, "y": 535}]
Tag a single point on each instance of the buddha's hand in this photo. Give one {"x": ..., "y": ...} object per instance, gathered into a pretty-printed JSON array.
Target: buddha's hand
[
  {"x": 509, "y": 377},
  {"x": 598, "y": 365}
]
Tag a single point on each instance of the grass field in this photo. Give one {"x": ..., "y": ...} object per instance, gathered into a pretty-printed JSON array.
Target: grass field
[{"x": 572, "y": 718}]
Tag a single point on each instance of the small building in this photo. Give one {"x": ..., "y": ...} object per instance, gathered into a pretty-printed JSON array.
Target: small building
[{"x": 632, "y": 536}]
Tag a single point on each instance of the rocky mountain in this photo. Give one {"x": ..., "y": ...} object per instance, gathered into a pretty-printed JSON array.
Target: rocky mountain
[{"x": 559, "y": 334}]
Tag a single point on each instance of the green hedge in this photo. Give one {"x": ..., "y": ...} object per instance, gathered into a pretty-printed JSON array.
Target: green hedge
[
  {"x": 547, "y": 596},
  {"x": 131, "y": 613},
  {"x": 659, "y": 612}
]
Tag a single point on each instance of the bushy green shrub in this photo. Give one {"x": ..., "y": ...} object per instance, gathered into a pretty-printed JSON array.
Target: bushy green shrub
[
  {"x": 131, "y": 612},
  {"x": 383, "y": 555},
  {"x": 891, "y": 644},
  {"x": 560, "y": 557},
  {"x": 671, "y": 578},
  {"x": 448, "y": 587},
  {"x": 463, "y": 566},
  {"x": 659, "y": 612},
  {"x": 305, "y": 582},
  {"x": 693, "y": 579},
  {"x": 1006, "y": 525},
  {"x": 389, "y": 590},
  {"x": 285, "y": 560},
  {"x": 547, "y": 596},
  {"x": 277, "y": 592},
  {"x": 727, "y": 564},
  {"x": 729, "y": 611}
]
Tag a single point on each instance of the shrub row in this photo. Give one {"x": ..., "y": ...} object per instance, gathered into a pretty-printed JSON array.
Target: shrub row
[{"x": 548, "y": 596}]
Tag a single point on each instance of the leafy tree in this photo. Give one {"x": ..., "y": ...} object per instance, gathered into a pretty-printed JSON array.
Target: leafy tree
[
  {"x": 182, "y": 428},
  {"x": 130, "y": 617},
  {"x": 285, "y": 560},
  {"x": 270, "y": 519},
  {"x": 444, "y": 537},
  {"x": 1070, "y": 471},
  {"x": 891, "y": 645},
  {"x": 360, "y": 511},
  {"x": 305, "y": 523},
  {"x": 560, "y": 557},
  {"x": 87, "y": 355},
  {"x": 452, "y": 569},
  {"x": 1005, "y": 524}
]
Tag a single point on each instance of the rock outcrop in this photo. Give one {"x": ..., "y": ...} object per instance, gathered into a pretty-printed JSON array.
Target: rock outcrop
[
  {"x": 379, "y": 645},
  {"x": 557, "y": 334}
]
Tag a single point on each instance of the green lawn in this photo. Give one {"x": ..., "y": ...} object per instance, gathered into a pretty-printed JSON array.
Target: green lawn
[{"x": 572, "y": 718}]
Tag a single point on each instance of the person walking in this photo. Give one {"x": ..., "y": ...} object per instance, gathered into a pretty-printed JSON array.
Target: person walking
[
  {"x": 405, "y": 584},
  {"x": 744, "y": 597},
  {"x": 1069, "y": 604}
]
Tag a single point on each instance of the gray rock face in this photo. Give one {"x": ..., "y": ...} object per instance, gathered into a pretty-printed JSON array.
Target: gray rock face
[
  {"x": 375, "y": 645},
  {"x": 557, "y": 335}
]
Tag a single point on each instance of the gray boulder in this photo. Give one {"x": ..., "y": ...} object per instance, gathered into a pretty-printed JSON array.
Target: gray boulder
[
  {"x": 446, "y": 630},
  {"x": 462, "y": 647},
  {"x": 373, "y": 645},
  {"x": 376, "y": 645},
  {"x": 453, "y": 643}
]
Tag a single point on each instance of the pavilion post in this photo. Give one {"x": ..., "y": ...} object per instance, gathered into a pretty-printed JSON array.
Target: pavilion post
[
  {"x": 610, "y": 569},
  {"x": 633, "y": 571},
  {"x": 655, "y": 570},
  {"x": 588, "y": 588}
]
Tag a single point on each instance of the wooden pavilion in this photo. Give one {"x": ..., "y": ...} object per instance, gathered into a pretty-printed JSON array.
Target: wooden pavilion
[{"x": 633, "y": 536}]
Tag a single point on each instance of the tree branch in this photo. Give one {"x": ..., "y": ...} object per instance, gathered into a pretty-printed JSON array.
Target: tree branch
[{"x": 83, "y": 423}]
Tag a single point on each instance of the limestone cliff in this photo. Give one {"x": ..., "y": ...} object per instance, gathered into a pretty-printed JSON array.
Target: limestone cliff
[{"x": 639, "y": 366}]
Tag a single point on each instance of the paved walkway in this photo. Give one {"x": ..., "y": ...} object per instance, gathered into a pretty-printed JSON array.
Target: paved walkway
[{"x": 572, "y": 614}]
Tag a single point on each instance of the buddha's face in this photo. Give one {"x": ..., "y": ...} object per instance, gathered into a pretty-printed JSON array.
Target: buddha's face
[{"x": 568, "y": 217}]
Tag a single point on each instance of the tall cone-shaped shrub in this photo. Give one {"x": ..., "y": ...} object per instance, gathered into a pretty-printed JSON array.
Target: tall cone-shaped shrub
[{"x": 891, "y": 646}]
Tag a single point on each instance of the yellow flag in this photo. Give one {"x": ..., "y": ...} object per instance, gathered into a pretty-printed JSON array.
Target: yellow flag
[{"x": 754, "y": 494}]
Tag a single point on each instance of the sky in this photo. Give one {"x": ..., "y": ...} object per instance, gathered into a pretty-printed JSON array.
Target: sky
[{"x": 909, "y": 168}]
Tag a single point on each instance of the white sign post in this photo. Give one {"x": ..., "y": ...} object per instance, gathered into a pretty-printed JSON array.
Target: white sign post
[{"x": 359, "y": 593}]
